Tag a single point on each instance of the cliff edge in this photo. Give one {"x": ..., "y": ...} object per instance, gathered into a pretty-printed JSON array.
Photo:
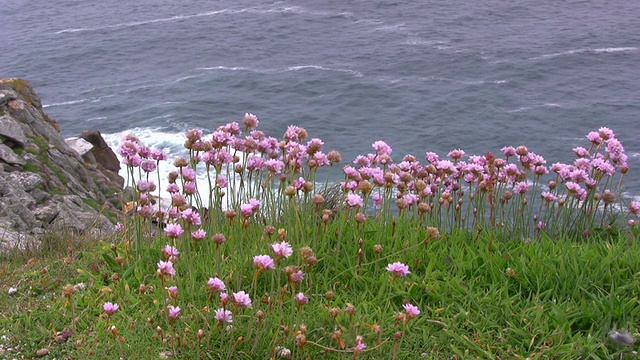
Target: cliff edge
[{"x": 47, "y": 182}]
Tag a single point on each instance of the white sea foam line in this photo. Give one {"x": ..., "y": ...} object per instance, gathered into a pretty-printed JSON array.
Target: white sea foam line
[
  {"x": 464, "y": 82},
  {"x": 274, "y": 71},
  {"x": 71, "y": 102},
  {"x": 526, "y": 108},
  {"x": 258, "y": 10},
  {"x": 97, "y": 118},
  {"x": 586, "y": 50}
]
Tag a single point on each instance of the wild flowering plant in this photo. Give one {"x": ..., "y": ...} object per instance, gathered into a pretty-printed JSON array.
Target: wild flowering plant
[{"x": 262, "y": 195}]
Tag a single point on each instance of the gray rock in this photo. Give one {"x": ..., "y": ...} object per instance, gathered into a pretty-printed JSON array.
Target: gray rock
[
  {"x": 7, "y": 95},
  {"x": 26, "y": 180},
  {"x": 80, "y": 145},
  {"x": 8, "y": 156},
  {"x": 12, "y": 130},
  {"x": 52, "y": 198},
  {"x": 47, "y": 213}
]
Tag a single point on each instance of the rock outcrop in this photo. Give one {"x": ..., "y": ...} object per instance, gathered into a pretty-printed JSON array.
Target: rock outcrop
[{"x": 47, "y": 183}]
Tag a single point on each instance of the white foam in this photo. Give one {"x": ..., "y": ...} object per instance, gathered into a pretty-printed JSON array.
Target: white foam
[
  {"x": 463, "y": 82},
  {"x": 527, "y": 108},
  {"x": 589, "y": 50},
  {"x": 97, "y": 118},
  {"x": 275, "y": 71},
  {"x": 255, "y": 10},
  {"x": 318, "y": 67},
  {"x": 71, "y": 102},
  {"x": 425, "y": 42}
]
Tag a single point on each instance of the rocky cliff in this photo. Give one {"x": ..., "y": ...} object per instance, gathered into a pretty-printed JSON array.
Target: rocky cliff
[{"x": 47, "y": 182}]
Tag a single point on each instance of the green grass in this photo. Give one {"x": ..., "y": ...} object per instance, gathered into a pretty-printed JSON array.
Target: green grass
[
  {"x": 493, "y": 278},
  {"x": 549, "y": 298}
]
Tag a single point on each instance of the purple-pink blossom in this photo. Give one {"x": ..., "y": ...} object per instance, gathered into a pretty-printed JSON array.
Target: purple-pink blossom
[
  {"x": 411, "y": 310},
  {"x": 110, "y": 308},
  {"x": 216, "y": 285},
  {"x": 282, "y": 249},
  {"x": 263, "y": 262},
  {"x": 223, "y": 316},
  {"x": 173, "y": 230},
  {"x": 354, "y": 200},
  {"x": 398, "y": 269},
  {"x": 301, "y": 299},
  {"x": 166, "y": 268},
  {"x": 241, "y": 299},
  {"x": 174, "y": 311},
  {"x": 198, "y": 234}
]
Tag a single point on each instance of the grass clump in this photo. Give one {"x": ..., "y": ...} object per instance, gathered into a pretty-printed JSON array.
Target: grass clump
[{"x": 257, "y": 257}]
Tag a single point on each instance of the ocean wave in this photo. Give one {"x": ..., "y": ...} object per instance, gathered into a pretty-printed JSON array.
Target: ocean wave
[
  {"x": 290, "y": 68},
  {"x": 253, "y": 10},
  {"x": 97, "y": 118},
  {"x": 425, "y": 42},
  {"x": 589, "y": 50},
  {"x": 527, "y": 108},
  {"x": 322, "y": 68},
  {"x": 71, "y": 102},
  {"x": 463, "y": 82}
]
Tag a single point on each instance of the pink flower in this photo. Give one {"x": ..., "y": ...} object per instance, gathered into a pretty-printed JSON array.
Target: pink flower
[
  {"x": 189, "y": 188},
  {"x": 221, "y": 181},
  {"x": 594, "y": 137},
  {"x": 188, "y": 174},
  {"x": 173, "y": 312},
  {"x": 354, "y": 200},
  {"x": 301, "y": 299},
  {"x": 148, "y": 165},
  {"x": 456, "y": 154},
  {"x": 411, "y": 311},
  {"x": 432, "y": 157},
  {"x": 606, "y": 133},
  {"x": 282, "y": 249},
  {"x": 216, "y": 285},
  {"x": 297, "y": 277},
  {"x": 263, "y": 262},
  {"x": 218, "y": 239},
  {"x": 398, "y": 269},
  {"x": 634, "y": 207},
  {"x": 173, "y": 291},
  {"x": 166, "y": 268},
  {"x": 274, "y": 166},
  {"x": 173, "y": 188},
  {"x": 241, "y": 299},
  {"x": 549, "y": 197},
  {"x": 377, "y": 200},
  {"x": 110, "y": 308},
  {"x": 223, "y": 315},
  {"x": 198, "y": 234},
  {"x": 250, "y": 121},
  {"x": 508, "y": 151},
  {"x": 192, "y": 217},
  {"x": 158, "y": 155},
  {"x": 246, "y": 210},
  {"x": 382, "y": 148},
  {"x": 521, "y": 187},
  {"x": 170, "y": 251},
  {"x": 581, "y": 152},
  {"x": 173, "y": 230}
]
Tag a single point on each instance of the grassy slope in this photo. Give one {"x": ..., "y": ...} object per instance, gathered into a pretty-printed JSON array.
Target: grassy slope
[{"x": 549, "y": 298}]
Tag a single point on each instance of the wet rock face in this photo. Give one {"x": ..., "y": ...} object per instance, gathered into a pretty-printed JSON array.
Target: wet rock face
[{"x": 45, "y": 181}]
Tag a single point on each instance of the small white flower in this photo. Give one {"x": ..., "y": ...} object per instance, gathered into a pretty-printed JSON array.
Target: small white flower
[
  {"x": 80, "y": 286},
  {"x": 12, "y": 290}
]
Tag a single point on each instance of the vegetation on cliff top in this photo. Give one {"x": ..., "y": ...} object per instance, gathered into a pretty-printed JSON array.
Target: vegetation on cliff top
[{"x": 465, "y": 257}]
